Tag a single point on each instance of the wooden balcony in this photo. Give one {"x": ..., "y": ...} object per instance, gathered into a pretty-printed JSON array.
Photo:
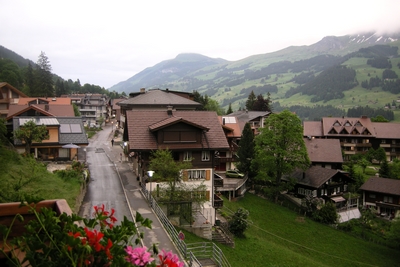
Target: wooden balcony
[
  {"x": 218, "y": 202},
  {"x": 218, "y": 181}
]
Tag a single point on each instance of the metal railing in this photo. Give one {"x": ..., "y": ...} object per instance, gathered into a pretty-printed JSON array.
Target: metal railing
[{"x": 190, "y": 252}]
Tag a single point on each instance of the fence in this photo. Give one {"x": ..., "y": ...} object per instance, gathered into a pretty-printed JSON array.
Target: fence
[{"x": 193, "y": 252}]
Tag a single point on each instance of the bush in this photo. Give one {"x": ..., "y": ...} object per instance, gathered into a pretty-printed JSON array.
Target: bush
[
  {"x": 239, "y": 223},
  {"x": 327, "y": 214}
]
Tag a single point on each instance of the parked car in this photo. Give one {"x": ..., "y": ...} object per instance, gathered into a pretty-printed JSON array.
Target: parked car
[{"x": 234, "y": 174}]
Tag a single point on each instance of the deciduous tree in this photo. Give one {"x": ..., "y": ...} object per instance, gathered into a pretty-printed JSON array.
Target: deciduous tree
[
  {"x": 31, "y": 132},
  {"x": 280, "y": 148}
]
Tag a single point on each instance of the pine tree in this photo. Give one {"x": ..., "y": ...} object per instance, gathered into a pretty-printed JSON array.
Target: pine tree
[
  {"x": 44, "y": 77},
  {"x": 246, "y": 149},
  {"x": 229, "y": 111},
  {"x": 250, "y": 101}
]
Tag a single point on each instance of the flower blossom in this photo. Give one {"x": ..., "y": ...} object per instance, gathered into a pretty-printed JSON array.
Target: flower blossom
[
  {"x": 139, "y": 256},
  {"x": 169, "y": 259}
]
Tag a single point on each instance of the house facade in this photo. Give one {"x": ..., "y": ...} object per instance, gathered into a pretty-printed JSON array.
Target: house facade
[
  {"x": 9, "y": 95},
  {"x": 93, "y": 107},
  {"x": 193, "y": 136},
  {"x": 383, "y": 194},
  {"x": 357, "y": 135},
  {"x": 62, "y": 131},
  {"x": 256, "y": 119}
]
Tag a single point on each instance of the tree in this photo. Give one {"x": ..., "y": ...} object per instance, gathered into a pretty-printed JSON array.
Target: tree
[
  {"x": 280, "y": 148},
  {"x": 77, "y": 113},
  {"x": 261, "y": 104},
  {"x": 212, "y": 105},
  {"x": 384, "y": 169},
  {"x": 166, "y": 169},
  {"x": 30, "y": 80},
  {"x": 44, "y": 77},
  {"x": 326, "y": 214},
  {"x": 250, "y": 101},
  {"x": 229, "y": 111},
  {"x": 380, "y": 154},
  {"x": 239, "y": 222},
  {"x": 246, "y": 149},
  {"x": 30, "y": 132}
]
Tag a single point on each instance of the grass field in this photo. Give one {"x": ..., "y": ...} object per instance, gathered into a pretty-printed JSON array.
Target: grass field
[{"x": 280, "y": 237}]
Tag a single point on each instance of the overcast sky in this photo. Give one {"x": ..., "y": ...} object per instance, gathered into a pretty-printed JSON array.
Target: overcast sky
[{"x": 106, "y": 42}]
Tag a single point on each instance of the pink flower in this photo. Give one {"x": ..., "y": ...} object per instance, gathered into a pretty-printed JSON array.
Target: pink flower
[
  {"x": 139, "y": 256},
  {"x": 169, "y": 259}
]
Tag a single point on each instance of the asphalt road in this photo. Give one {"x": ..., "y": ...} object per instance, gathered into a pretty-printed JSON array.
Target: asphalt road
[{"x": 105, "y": 185}]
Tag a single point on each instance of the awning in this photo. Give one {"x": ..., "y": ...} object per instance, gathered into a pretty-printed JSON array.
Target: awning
[{"x": 338, "y": 199}]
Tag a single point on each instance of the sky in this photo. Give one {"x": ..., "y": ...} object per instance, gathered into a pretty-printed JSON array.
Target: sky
[{"x": 106, "y": 42}]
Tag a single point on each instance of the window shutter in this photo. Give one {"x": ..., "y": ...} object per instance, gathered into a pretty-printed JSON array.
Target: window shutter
[
  {"x": 208, "y": 195},
  {"x": 185, "y": 175},
  {"x": 208, "y": 174}
]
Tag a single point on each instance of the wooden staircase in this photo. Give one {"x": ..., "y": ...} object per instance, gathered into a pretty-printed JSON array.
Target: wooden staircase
[{"x": 222, "y": 235}]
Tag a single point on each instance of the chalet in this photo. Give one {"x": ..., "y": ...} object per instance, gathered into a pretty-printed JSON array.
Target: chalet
[
  {"x": 156, "y": 99},
  {"x": 357, "y": 135},
  {"x": 325, "y": 153},
  {"x": 329, "y": 185},
  {"x": 8, "y": 95},
  {"x": 382, "y": 194},
  {"x": 256, "y": 119},
  {"x": 63, "y": 131},
  {"x": 193, "y": 136},
  {"x": 93, "y": 107}
]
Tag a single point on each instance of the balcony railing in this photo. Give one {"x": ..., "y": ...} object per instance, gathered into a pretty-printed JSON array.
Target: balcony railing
[
  {"x": 218, "y": 182},
  {"x": 226, "y": 159},
  {"x": 218, "y": 202}
]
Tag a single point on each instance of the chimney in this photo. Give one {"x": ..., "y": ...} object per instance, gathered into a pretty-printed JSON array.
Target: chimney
[
  {"x": 46, "y": 107},
  {"x": 142, "y": 90},
  {"x": 169, "y": 110}
]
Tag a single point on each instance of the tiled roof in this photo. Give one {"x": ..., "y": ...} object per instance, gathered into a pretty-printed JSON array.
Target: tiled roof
[
  {"x": 382, "y": 185},
  {"x": 51, "y": 101},
  {"x": 52, "y": 110},
  {"x": 315, "y": 176},
  {"x": 159, "y": 97},
  {"x": 231, "y": 126},
  {"x": 173, "y": 120},
  {"x": 246, "y": 116},
  {"x": 345, "y": 126},
  {"x": 4, "y": 84},
  {"x": 387, "y": 130},
  {"x": 324, "y": 150},
  {"x": 312, "y": 128},
  {"x": 141, "y": 138}
]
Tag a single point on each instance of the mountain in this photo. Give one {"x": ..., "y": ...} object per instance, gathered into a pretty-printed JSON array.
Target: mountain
[{"x": 286, "y": 70}]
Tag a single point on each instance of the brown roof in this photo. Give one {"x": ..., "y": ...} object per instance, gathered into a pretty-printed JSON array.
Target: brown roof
[
  {"x": 231, "y": 125},
  {"x": 387, "y": 130},
  {"x": 159, "y": 97},
  {"x": 51, "y": 101},
  {"x": 345, "y": 126},
  {"x": 324, "y": 150},
  {"x": 141, "y": 122},
  {"x": 382, "y": 185},
  {"x": 315, "y": 176},
  {"x": 312, "y": 128},
  {"x": 53, "y": 110},
  {"x": 4, "y": 84}
]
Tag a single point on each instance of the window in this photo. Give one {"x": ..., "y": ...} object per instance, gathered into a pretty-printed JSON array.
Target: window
[
  {"x": 187, "y": 156},
  {"x": 300, "y": 191},
  {"x": 196, "y": 174},
  {"x": 383, "y": 141},
  {"x": 205, "y": 155},
  {"x": 372, "y": 196},
  {"x": 388, "y": 199}
]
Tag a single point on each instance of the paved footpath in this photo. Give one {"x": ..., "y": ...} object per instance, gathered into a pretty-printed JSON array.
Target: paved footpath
[{"x": 137, "y": 202}]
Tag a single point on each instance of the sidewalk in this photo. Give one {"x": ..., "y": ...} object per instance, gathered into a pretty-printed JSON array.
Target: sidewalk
[{"x": 136, "y": 201}]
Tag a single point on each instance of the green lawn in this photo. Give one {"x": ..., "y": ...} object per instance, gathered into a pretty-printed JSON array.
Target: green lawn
[{"x": 279, "y": 237}]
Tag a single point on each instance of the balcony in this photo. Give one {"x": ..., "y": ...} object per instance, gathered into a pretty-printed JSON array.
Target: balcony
[
  {"x": 218, "y": 202},
  {"x": 218, "y": 181},
  {"x": 226, "y": 159}
]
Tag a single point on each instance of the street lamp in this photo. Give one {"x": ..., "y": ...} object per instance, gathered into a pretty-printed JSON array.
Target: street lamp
[
  {"x": 112, "y": 126},
  {"x": 150, "y": 174}
]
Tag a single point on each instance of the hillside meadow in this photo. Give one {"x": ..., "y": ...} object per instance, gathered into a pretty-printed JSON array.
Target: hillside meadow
[{"x": 281, "y": 237}]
